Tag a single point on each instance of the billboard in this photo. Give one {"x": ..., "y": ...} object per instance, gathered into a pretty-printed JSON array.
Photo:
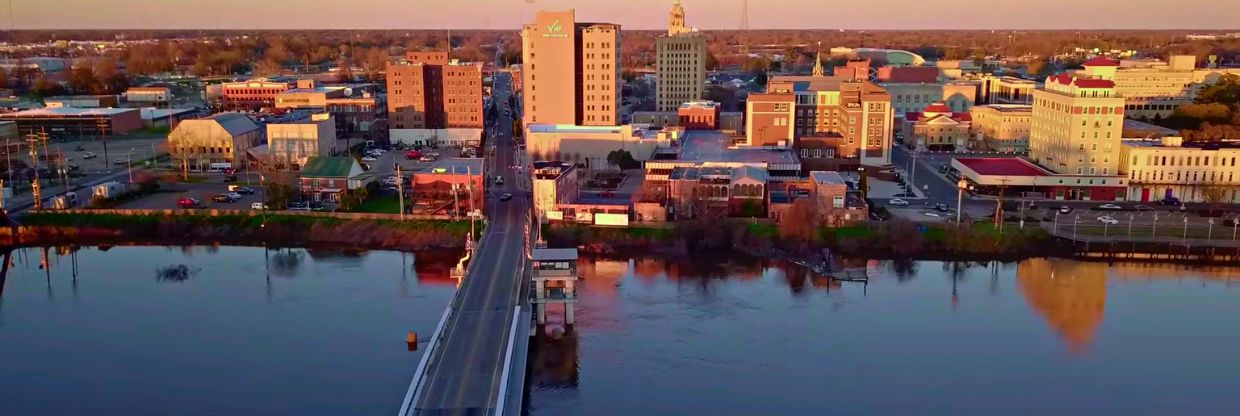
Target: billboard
[{"x": 617, "y": 220}]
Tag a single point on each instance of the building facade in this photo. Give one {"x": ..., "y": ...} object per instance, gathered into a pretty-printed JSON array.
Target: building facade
[
  {"x": 938, "y": 128},
  {"x": 292, "y": 143},
  {"x": 150, "y": 96},
  {"x": 253, "y": 95},
  {"x": 1169, "y": 168},
  {"x": 1076, "y": 126},
  {"x": 65, "y": 122},
  {"x": 1002, "y": 127},
  {"x": 427, "y": 90},
  {"x": 680, "y": 63},
  {"x": 216, "y": 142},
  {"x": 555, "y": 183},
  {"x": 857, "y": 112},
  {"x": 570, "y": 71}
]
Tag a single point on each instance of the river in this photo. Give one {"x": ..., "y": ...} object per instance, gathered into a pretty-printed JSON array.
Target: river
[
  {"x": 1039, "y": 337},
  {"x": 292, "y": 332}
]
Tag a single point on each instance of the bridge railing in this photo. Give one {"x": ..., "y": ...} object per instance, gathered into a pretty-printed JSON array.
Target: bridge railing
[{"x": 419, "y": 375}]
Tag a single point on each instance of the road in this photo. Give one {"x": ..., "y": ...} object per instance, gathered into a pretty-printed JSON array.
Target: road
[{"x": 464, "y": 372}]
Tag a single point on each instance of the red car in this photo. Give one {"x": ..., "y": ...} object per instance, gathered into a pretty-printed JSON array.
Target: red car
[
  {"x": 189, "y": 203},
  {"x": 413, "y": 155}
]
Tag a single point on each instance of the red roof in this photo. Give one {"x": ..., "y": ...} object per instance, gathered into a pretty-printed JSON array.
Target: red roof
[
  {"x": 962, "y": 116},
  {"x": 1064, "y": 79},
  {"x": 1095, "y": 83},
  {"x": 996, "y": 166},
  {"x": 1101, "y": 61},
  {"x": 937, "y": 108}
]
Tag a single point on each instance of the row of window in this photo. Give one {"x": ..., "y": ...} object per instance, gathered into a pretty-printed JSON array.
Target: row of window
[
  {"x": 1153, "y": 160},
  {"x": 1162, "y": 175}
]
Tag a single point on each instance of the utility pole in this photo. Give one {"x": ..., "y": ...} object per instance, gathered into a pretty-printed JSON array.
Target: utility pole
[
  {"x": 102, "y": 125},
  {"x": 400, "y": 191},
  {"x": 37, "y": 188}
]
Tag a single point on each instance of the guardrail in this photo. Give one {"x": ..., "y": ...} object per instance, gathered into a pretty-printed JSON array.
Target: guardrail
[
  {"x": 419, "y": 376},
  {"x": 502, "y": 399}
]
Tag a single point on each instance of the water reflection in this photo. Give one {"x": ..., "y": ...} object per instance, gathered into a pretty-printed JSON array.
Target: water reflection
[{"x": 741, "y": 329}]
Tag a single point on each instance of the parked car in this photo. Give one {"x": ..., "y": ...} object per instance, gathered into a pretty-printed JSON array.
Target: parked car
[
  {"x": 1108, "y": 220},
  {"x": 499, "y": 180},
  {"x": 941, "y": 207},
  {"x": 243, "y": 190},
  {"x": 1065, "y": 209},
  {"x": 89, "y": 155},
  {"x": 1143, "y": 208},
  {"x": 1111, "y": 207},
  {"x": 426, "y": 158},
  {"x": 224, "y": 198},
  {"x": 369, "y": 159},
  {"x": 897, "y": 202},
  {"x": 1172, "y": 201},
  {"x": 413, "y": 155},
  {"x": 79, "y": 148},
  {"x": 505, "y": 196},
  {"x": 298, "y": 206},
  {"x": 230, "y": 178},
  {"x": 259, "y": 206},
  {"x": 121, "y": 161},
  {"x": 189, "y": 203}
]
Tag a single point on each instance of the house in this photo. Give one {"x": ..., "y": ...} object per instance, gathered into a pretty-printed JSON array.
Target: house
[
  {"x": 328, "y": 178},
  {"x": 938, "y": 128}
]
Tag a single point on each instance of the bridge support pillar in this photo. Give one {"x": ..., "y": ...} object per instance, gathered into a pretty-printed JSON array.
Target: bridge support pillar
[{"x": 555, "y": 281}]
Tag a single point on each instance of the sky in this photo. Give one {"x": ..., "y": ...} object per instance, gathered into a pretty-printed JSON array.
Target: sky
[{"x": 632, "y": 14}]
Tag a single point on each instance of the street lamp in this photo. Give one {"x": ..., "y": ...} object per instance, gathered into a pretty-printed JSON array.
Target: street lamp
[
  {"x": 1075, "y": 221},
  {"x": 1130, "y": 218},
  {"x": 960, "y": 187},
  {"x": 1154, "y": 229},
  {"x": 1185, "y": 231},
  {"x": 129, "y": 159}
]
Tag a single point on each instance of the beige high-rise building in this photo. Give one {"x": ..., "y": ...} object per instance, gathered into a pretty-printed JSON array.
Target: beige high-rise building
[
  {"x": 1002, "y": 127},
  {"x": 681, "y": 63},
  {"x": 571, "y": 71},
  {"x": 1077, "y": 125}
]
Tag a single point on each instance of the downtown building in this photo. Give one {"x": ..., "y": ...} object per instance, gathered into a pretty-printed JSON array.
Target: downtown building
[
  {"x": 434, "y": 100},
  {"x": 570, "y": 71},
  {"x": 680, "y": 63},
  {"x": 833, "y": 123}
]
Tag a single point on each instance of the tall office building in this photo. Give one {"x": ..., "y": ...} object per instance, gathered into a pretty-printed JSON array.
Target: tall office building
[
  {"x": 571, "y": 71},
  {"x": 426, "y": 90},
  {"x": 681, "y": 63},
  {"x": 1077, "y": 125}
]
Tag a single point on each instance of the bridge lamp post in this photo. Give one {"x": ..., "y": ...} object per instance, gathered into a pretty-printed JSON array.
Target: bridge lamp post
[
  {"x": 1130, "y": 218},
  {"x": 1210, "y": 230},
  {"x": 1234, "y": 222},
  {"x": 1056, "y": 223},
  {"x": 1154, "y": 230},
  {"x": 1185, "y": 230},
  {"x": 960, "y": 187},
  {"x": 1106, "y": 225}
]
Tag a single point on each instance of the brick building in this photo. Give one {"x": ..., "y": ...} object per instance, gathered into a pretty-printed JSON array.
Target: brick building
[
  {"x": 427, "y": 90},
  {"x": 571, "y": 71}
]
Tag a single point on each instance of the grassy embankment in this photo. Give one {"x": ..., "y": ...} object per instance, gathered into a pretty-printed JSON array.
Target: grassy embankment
[{"x": 53, "y": 227}]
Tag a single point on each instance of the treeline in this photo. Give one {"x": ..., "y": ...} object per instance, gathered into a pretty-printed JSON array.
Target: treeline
[{"x": 1213, "y": 116}]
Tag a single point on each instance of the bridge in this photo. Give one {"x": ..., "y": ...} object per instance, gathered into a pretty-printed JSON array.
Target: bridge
[{"x": 475, "y": 361}]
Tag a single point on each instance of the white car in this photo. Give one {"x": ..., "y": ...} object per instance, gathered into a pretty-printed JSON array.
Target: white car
[
  {"x": 1108, "y": 220},
  {"x": 369, "y": 159},
  {"x": 258, "y": 206},
  {"x": 897, "y": 202},
  {"x": 390, "y": 180},
  {"x": 234, "y": 195},
  {"x": 1112, "y": 207}
]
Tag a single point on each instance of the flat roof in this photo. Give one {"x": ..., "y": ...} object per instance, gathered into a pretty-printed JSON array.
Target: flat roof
[
  {"x": 569, "y": 128},
  {"x": 552, "y": 254},
  {"x": 1001, "y": 166},
  {"x": 1140, "y": 126},
  {"x": 822, "y": 177},
  {"x": 151, "y": 113},
  {"x": 456, "y": 165},
  {"x": 69, "y": 112},
  {"x": 714, "y": 146}
]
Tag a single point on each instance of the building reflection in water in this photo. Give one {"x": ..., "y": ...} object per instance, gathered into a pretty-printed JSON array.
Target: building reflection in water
[
  {"x": 1070, "y": 295},
  {"x": 555, "y": 361}
]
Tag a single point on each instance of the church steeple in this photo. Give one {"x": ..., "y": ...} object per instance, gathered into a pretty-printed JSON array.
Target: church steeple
[
  {"x": 676, "y": 21},
  {"x": 818, "y": 62}
]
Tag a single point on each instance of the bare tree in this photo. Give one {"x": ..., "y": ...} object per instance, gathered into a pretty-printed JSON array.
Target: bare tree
[
  {"x": 184, "y": 147},
  {"x": 801, "y": 221},
  {"x": 1214, "y": 195}
]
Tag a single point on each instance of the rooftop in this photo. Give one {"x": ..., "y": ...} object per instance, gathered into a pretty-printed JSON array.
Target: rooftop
[
  {"x": 569, "y": 128},
  {"x": 70, "y": 112},
  {"x": 997, "y": 166},
  {"x": 822, "y": 177},
  {"x": 328, "y": 167},
  {"x": 700, "y": 104},
  {"x": 714, "y": 146},
  {"x": 552, "y": 254},
  {"x": 235, "y": 123},
  {"x": 152, "y": 113},
  {"x": 1009, "y": 108},
  {"x": 1101, "y": 61},
  {"x": 456, "y": 166},
  {"x": 1140, "y": 128}
]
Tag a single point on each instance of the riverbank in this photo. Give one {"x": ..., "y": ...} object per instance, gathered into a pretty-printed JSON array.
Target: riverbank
[
  {"x": 57, "y": 228},
  {"x": 897, "y": 239}
]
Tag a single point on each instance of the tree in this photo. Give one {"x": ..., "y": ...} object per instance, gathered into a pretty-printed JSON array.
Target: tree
[
  {"x": 44, "y": 87},
  {"x": 751, "y": 208},
  {"x": 268, "y": 67},
  {"x": 184, "y": 147},
  {"x": 4, "y": 78},
  {"x": 622, "y": 159},
  {"x": 1193, "y": 115},
  {"x": 1226, "y": 91},
  {"x": 279, "y": 185},
  {"x": 800, "y": 222},
  {"x": 1214, "y": 195},
  {"x": 82, "y": 78}
]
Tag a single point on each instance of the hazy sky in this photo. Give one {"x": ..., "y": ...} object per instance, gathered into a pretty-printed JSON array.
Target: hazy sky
[{"x": 637, "y": 14}]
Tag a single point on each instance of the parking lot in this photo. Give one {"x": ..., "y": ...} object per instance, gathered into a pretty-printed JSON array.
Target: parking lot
[{"x": 167, "y": 199}]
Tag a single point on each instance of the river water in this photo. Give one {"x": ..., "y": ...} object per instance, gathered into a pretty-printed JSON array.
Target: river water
[
  {"x": 1039, "y": 337},
  {"x": 129, "y": 332}
]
